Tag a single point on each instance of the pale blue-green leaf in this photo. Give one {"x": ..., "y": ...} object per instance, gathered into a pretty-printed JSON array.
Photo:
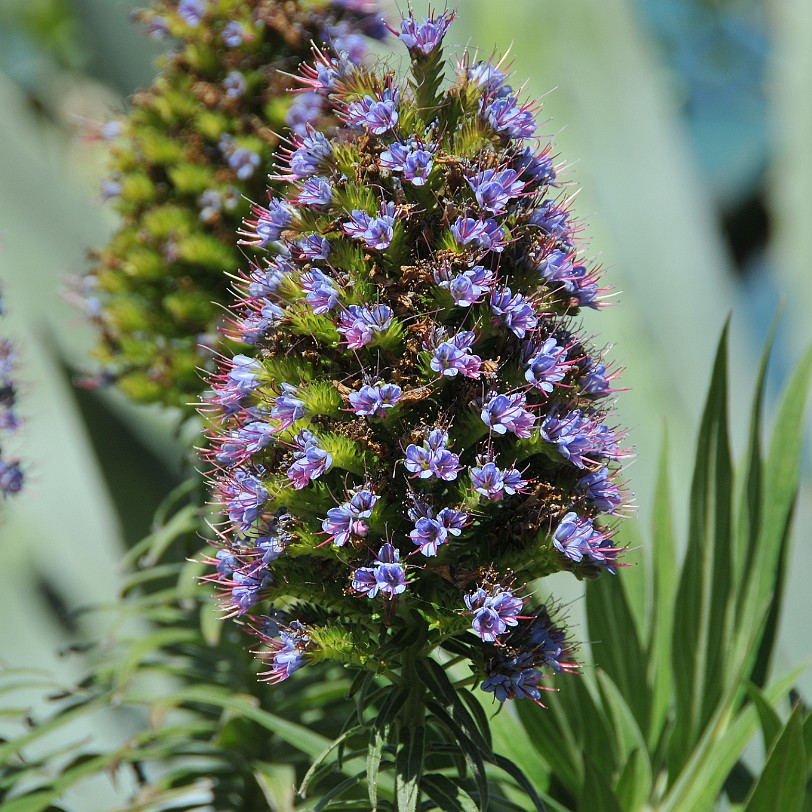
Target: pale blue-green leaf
[
  {"x": 782, "y": 782},
  {"x": 277, "y": 782}
]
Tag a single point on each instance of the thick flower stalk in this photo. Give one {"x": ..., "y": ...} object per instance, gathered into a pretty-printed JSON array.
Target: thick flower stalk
[
  {"x": 419, "y": 431},
  {"x": 195, "y": 147},
  {"x": 11, "y": 474}
]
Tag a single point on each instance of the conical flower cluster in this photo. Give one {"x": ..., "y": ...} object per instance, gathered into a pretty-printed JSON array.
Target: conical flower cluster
[
  {"x": 194, "y": 147},
  {"x": 11, "y": 474},
  {"x": 419, "y": 430}
]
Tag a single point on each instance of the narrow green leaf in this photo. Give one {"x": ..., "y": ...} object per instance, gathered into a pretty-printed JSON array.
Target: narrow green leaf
[
  {"x": 633, "y": 786},
  {"x": 472, "y": 754},
  {"x": 409, "y": 766},
  {"x": 310, "y": 743},
  {"x": 338, "y": 791},
  {"x": 782, "y": 783},
  {"x": 615, "y": 645},
  {"x": 506, "y": 765},
  {"x": 436, "y": 680},
  {"x": 379, "y": 736},
  {"x": 323, "y": 756},
  {"x": 781, "y": 480},
  {"x": 720, "y": 746},
  {"x": 702, "y": 599},
  {"x": 597, "y": 795},
  {"x": 663, "y": 547},
  {"x": 448, "y": 796},
  {"x": 770, "y": 720}
]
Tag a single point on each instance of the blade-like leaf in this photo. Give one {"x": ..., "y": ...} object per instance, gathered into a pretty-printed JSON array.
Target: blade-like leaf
[
  {"x": 447, "y": 795},
  {"x": 597, "y": 795},
  {"x": 409, "y": 766},
  {"x": 782, "y": 783},
  {"x": 702, "y": 595}
]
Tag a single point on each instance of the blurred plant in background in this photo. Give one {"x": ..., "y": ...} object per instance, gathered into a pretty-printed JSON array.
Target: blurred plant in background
[
  {"x": 197, "y": 145},
  {"x": 11, "y": 474},
  {"x": 649, "y": 204}
]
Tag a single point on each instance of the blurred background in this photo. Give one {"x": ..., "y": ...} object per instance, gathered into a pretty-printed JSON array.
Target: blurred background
[{"x": 686, "y": 126}]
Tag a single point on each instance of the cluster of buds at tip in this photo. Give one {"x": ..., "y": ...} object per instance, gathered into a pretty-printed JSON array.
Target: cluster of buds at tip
[
  {"x": 415, "y": 419},
  {"x": 195, "y": 146},
  {"x": 11, "y": 474}
]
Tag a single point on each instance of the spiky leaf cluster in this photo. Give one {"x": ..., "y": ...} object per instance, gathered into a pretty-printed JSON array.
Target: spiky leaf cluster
[
  {"x": 419, "y": 431},
  {"x": 11, "y": 474},
  {"x": 195, "y": 146}
]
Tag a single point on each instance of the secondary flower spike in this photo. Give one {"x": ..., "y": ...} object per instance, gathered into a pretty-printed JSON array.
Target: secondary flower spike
[
  {"x": 195, "y": 147},
  {"x": 11, "y": 472},
  {"x": 435, "y": 423}
]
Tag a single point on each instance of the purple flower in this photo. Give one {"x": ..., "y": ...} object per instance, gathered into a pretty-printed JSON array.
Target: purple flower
[
  {"x": 450, "y": 358},
  {"x": 468, "y": 287},
  {"x": 577, "y": 539},
  {"x": 552, "y": 220},
  {"x": 428, "y": 535},
  {"x": 346, "y": 40},
  {"x": 424, "y": 37},
  {"x": 512, "y": 677},
  {"x": 490, "y": 79},
  {"x": 485, "y": 234},
  {"x": 310, "y": 459},
  {"x": 377, "y": 114},
  {"x": 595, "y": 381},
  {"x": 264, "y": 281},
  {"x": 243, "y": 377},
  {"x": 288, "y": 654},
  {"x": 493, "y": 613},
  {"x": 268, "y": 223},
  {"x": 244, "y": 496},
  {"x": 359, "y": 324},
  {"x": 433, "y": 458},
  {"x": 376, "y": 232},
  {"x": 514, "y": 312},
  {"x": 192, "y": 11},
  {"x": 537, "y": 168},
  {"x": 243, "y": 161},
  {"x": 580, "y": 438},
  {"x": 600, "y": 490},
  {"x": 341, "y": 523},
  {"x": 233, "y": 34},
  {"x": 305, "y": 110},
  {"x": 503, "y": 413},
  {"x": 287, "y": 408},
  {"x": 494, "y": 189},
  {"x": 11, "y": 477},
  {"x": 322, "y": 295},
  {"x": 234, "y": 85},
  {"x": 375, "y": 400},
  {"x": 386, "y": 575},
  {"x": 548, "y": 366},
  {"x": 248, "y": 587},
  {"x": 311, "y": 247},
  {"x": 315, "y": 192},
  {"x": 575, "y": 279},
  {"x": 310, "y": 151},
  {"x": 255, "y": 325},
  {"x": 414, "y": 161},
  {"x": 508, "y": 118}
]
